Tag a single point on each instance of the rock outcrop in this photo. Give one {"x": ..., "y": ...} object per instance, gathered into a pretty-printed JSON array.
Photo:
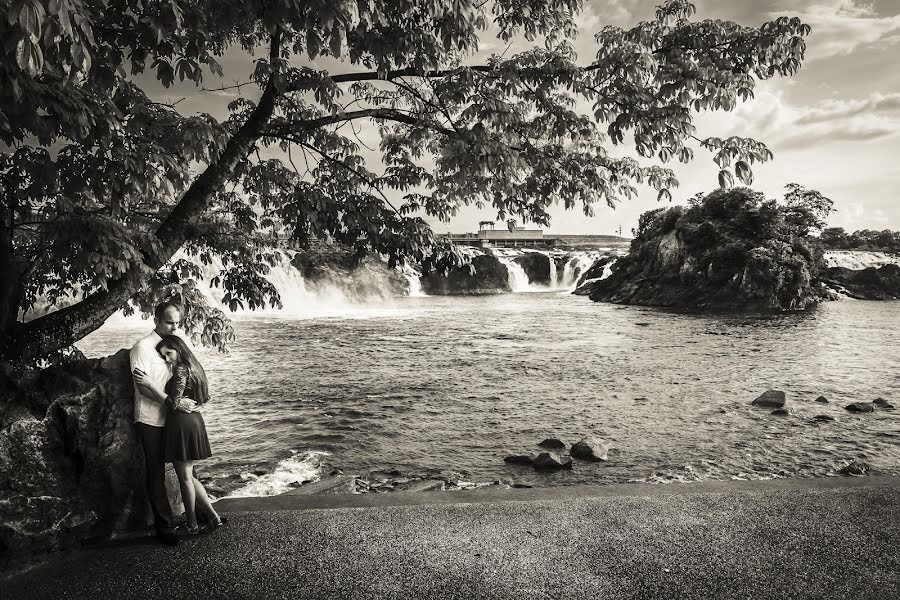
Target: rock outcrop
[
  {"x": 70, "y": 466},
  {"x": 872, "y": 283},
  {"x": 327, "y": 267},
  {"x": 488, "y": 276},
  {"x": 537, "y": 266},
  {"x": 729, "y": 251},
  {"x": 595, "y": 271}
]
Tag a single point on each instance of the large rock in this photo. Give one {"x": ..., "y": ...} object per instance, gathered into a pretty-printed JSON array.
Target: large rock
[
  {"x": 860, "y": 407},
  {"x": 770, "y": 399},
  {"x": 329, "y": 267},
  {"x": 590, "y": 448},
  {"x": 883, "y": 404},
  {"x": 488, "y": 276},
  {"x": 537, "y": 266},
  {"x": 551, "y": 461},
  {"x": 553, "y": 444},
  {"x": 70, "y": 465},
  {"x": 596, "y": 271}
]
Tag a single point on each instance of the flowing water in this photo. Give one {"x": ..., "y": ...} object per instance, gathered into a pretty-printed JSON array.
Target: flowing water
[{"x": 430, "y": 385}]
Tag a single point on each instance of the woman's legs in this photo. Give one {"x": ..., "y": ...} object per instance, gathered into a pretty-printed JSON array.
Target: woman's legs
[
  {"x": 185, "y": 469},
  {"x": 203, "y": 503}
]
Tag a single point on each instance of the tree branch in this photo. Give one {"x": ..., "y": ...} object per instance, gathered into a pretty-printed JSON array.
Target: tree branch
[{"x": 388, "y": 114}]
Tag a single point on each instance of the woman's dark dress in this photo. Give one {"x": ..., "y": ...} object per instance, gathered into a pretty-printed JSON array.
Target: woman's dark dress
[{"x": 184, "y": 436}]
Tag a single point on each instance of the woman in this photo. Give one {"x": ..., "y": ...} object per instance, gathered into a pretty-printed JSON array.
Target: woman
[{"x": 184, "y": 437}]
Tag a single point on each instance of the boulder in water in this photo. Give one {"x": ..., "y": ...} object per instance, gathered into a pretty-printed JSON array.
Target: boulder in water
[
  {"x": 822, "y": 400},
  {"x": 856, "y": 468},
  {"x": 592, "y": 449},
  {"x": 328, "y": 267},
  {"x": 823, "y": 418},
  {"x": 519, "y": 459},
  {"x": 488, "y": 276},
  {"x": 553, "y": 444},
  {"x": 551, "y": 461},
  {"x": 883, "y": 404},
  {"x": 536, "y": 266},
  {"x": 860, "y": 407},
  {"x": 770, "y": 399},
  {"x": 782, "y": 412}
]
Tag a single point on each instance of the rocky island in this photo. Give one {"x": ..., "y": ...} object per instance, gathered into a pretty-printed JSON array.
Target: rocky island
[{"x": 730, "y": 250}]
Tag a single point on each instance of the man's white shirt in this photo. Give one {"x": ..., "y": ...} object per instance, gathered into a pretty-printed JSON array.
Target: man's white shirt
[{"x": 144, "y": 356}]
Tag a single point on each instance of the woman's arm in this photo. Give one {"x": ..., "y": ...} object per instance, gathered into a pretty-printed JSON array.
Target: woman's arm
[{"x": 174, "y": 401}]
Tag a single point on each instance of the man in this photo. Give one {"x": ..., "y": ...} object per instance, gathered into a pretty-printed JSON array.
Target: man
[{"x": 150, "y": 416}]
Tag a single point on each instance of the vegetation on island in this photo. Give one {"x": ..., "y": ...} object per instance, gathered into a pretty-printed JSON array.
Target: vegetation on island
[
  {"x": 886, "y": 240},
  {"x": 730, "y": 249},
  {"x": 102, "y": 180}
]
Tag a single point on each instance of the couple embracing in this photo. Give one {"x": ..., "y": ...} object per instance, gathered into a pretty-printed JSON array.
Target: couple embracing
[{"x": 169, "y": 388}]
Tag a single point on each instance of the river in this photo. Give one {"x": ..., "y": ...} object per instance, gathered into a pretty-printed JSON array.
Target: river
[{"x": 422, "y": 386}]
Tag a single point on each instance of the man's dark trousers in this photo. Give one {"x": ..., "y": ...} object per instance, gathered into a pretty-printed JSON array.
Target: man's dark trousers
[{"x": 151, "y": 439}]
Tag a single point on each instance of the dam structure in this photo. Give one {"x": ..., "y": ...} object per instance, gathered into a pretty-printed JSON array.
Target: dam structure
[{"x": 487, "y": 237}]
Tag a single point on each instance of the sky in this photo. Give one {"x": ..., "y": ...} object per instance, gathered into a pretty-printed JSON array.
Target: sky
[{"x": 833, "y": 127}]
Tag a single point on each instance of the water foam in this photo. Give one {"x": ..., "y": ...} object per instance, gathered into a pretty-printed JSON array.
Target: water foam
[{"x": 300, "y": 467}]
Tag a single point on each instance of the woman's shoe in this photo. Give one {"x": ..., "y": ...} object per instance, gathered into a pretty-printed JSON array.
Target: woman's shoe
[
  {"x": 213, "y": 525},
  {"x": 185, "y": 530}
]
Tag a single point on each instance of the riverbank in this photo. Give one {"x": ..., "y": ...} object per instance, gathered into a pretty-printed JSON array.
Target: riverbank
[{"x": 797, "y": 538}]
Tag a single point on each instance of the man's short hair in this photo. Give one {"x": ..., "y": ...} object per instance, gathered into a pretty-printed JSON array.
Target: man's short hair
[{"x": 161, "y": 308}]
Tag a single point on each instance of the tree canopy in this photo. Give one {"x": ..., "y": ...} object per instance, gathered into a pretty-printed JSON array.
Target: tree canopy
[{"x": 102, "y": 183}]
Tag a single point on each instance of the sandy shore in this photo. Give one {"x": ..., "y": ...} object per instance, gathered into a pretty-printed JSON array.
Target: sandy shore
[{"x": 802, "y": 538}]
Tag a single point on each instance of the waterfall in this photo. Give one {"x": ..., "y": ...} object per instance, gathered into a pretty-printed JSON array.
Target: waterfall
[
  {"x": 554, "y": 280},
  {"x": 415, "y": 280},
  {"x": 859, "y": 259},
  {"x": 575, "y": 267},
  {"x": 518, "y": 279}
]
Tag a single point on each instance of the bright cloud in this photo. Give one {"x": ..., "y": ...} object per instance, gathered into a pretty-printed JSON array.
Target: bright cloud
[
  {"x": 842, "y": 26},
  {"x": 782, "y": 125}
]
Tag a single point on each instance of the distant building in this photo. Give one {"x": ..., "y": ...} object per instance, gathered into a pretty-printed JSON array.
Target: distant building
[{"x": 502, "y": 238}]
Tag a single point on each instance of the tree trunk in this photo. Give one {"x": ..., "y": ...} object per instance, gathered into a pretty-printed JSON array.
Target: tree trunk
[
  {"x": 10, "y": 283},
  {"x": 62, "y": 328}
]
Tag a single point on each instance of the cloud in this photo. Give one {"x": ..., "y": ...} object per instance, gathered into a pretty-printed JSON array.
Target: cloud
[
  {"x": 783, "y": 125},
  {"x": 832, "y": 110},
  {"x": 842, "y": 26}
]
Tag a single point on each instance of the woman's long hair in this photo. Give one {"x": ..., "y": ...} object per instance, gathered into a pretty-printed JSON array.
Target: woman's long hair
[{"x": 187, "y": 358}]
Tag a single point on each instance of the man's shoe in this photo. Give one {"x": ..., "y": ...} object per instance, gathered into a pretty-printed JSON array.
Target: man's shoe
[{"x": 167, "y": 536}]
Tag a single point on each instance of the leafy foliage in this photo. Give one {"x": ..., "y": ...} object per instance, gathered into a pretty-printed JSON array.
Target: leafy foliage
[
  {"x": 102, "y": 184},
  {"x": 863, "y": 239}
]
